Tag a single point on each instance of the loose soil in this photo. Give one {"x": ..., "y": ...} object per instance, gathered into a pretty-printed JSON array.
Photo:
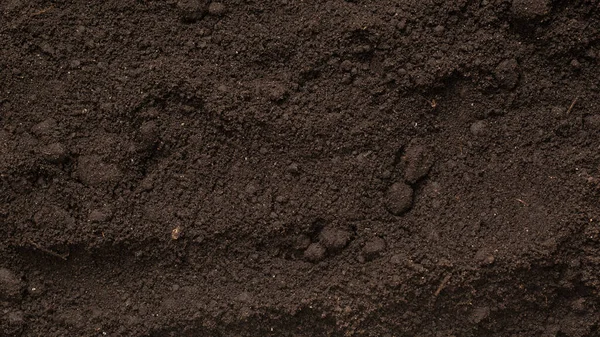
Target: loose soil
[{"x": 290, "y": 168}]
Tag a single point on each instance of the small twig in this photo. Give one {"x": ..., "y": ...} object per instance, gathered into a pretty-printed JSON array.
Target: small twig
[
  {"x": 431, "y": 102},
  {"x": 48, "y": 251},
  {"x": 442, "y": 285},
  {"x": 523, "y": 202},
  {"x": 40, "y": 12},
  {"x": 572, "y": 105}
]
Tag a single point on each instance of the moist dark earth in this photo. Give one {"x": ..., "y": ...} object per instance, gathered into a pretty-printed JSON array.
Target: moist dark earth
[{"x": 300, "y": 168}]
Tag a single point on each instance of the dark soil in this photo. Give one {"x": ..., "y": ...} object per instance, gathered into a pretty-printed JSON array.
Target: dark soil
[{"x": 300, "y": 168}]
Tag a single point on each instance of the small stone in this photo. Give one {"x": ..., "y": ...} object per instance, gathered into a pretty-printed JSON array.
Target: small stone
[
  {"x": 399, "y": 198},
  {"x": 439, "y": 30},
  {"x": 217, "y": 9},
  {"x": 10, "y": 285},
  {"x": 373, "y": 248},
  {"x": 507, "y": 73},
  {"x": 484, "y": 257},
  {"x": 478, "y": 128},
  {"x": 54, "y": 153},
  {"x": 334, "y": 239},
  {"x": 575, "y": 64},
  {"x": 281, "y": 199},
  {"x": 315, "y": 252}
]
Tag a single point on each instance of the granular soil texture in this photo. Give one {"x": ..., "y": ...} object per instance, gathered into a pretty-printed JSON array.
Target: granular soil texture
[{"x": 300, "y": 168}]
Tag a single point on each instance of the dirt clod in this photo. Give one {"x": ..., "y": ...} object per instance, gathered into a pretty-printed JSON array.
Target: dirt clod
[
  {"x": 54, "y": 152},
  {"x": 44, "y": 128},
  {"x": 399, "y": 198},
  {"x": 334, "y": 239},
  {"x": 417, "y": 162},
  {"x": 192, "y": 10},
  {"x": 10, "y": 285},
  {"x": 315, "y": 252},
  {"x": 479, "y": 128},
  {"x": 217, "y": 9},
  {"x": 479, "y": 314},
  {"x": 484, "y": 257},
  {"x": 94, "y": 172},
  {"x": 530, "y": 9},
  {"x": 373, "y": 248},
  {"x": 507, "y": 73}
]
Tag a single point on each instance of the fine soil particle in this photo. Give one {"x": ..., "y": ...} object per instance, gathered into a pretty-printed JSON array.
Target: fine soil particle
[{"x": 299, "y": 168}]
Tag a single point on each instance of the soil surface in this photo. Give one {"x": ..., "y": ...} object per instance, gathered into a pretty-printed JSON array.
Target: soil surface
[{"x": 300, "y": 168}]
